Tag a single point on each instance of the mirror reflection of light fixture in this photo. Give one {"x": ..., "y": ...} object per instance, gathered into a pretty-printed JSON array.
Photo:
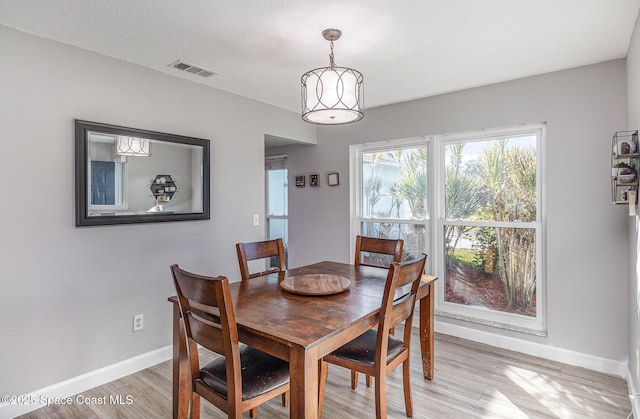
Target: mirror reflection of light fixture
[
  {"x": 132, "y": 146},
  {"x": 332, "y": 95}
]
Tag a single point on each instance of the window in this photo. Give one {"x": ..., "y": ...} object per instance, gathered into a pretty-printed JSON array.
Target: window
[
  {"x": 277, "y": 200},
  {"x": 107, "y": 185},
  {"x": 491, "y": 227},
  {"x": 103, "y": 183},
  {"x": 107, "y": 175},
  {"x": 391, "y": 201},
  {"x": 483, "y": 192}
]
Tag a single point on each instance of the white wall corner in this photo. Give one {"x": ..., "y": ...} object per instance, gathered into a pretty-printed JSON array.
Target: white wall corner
[{"x": 634, "y": 396}]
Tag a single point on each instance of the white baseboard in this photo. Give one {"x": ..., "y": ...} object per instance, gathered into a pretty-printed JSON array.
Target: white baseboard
[
  {"x": 84, "y": 382},
  {"x": 565, "y": 356}
]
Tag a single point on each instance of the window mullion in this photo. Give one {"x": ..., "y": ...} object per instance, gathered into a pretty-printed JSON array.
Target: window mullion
[{"x": 490, "y": 223}]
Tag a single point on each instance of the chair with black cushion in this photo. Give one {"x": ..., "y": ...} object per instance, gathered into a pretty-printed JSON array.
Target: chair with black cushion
[
  {"x": 368, "y": 251},
  {"x": 377, "y": 352},
  {"x": 268, "y": 249},
  {"x": 260, "y": 250},
  {"x": 243, "y": 377}
]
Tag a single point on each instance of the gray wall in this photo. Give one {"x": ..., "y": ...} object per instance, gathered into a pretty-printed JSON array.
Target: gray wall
[
  {"x": 586, "y": 245},
  {"x": 166, "y": 159},
  {"x": 633, "y": 83},
  {"x": 69, "y": 293}
]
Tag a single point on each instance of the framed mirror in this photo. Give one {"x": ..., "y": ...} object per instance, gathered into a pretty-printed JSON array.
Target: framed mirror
[{"x": 128, "y": 175}]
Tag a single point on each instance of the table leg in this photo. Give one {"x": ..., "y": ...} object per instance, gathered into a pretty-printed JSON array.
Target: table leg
[
  {"x": 303, "y": 368},
  {"x": 426, "y": 331},
  {"x": 181, "y": 378}
]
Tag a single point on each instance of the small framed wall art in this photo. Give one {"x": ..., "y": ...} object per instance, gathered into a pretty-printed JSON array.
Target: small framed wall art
[
  {"x": 300, "y": 181},
  {"x": 314, "y": 180},
  {"x": 334, "y": 179}
]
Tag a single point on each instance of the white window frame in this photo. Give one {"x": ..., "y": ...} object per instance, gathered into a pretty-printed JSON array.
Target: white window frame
[
  {"x": 268, "y": 216},
  {"x": 435, "y": 221},
  {"x": 355, "y": 157},
  {"x": 482, "y": 315}
]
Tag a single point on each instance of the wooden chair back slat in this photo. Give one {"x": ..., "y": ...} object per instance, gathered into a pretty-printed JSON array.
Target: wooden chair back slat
[
  {"x": 260, "y": 250},
  {"x": 400, "y": 311},
  {"x": 378, "y": 246},
  {"x": 198, "y": 289},
  {"x": 207, "y": 334}
]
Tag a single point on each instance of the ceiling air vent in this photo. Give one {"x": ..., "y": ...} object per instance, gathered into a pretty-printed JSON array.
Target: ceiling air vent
[{"x": 192, "y": 69}]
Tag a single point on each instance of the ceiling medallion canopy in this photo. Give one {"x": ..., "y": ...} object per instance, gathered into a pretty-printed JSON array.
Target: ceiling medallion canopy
[{"x": 332, "y": 95}]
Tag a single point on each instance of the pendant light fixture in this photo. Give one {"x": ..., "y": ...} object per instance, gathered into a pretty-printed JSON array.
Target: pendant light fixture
[{"x": 332, "y": 95}]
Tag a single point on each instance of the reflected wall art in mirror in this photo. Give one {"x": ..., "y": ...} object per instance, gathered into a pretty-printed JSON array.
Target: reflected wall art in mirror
[{"x": 128, "y": 175}]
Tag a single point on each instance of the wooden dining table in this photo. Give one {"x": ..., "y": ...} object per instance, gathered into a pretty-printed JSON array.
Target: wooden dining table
[{"x": 302, "y": 329}]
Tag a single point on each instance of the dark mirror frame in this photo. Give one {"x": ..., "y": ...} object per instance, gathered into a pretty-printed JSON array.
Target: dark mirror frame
[{"x": 81, "y": 156}]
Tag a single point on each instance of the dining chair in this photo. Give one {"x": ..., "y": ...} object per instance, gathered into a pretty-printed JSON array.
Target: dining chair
[
  {"x": 373, "y": 245},
  {"x": 377, "y": 352},
  {"x": 243, "y": 377},
  {"x": 369, "y": 247},
  {"x": 260, "y": 250}
]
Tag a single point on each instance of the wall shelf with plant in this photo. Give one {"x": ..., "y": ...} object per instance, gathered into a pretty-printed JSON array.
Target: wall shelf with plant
[{"x": 624, "y": 167}]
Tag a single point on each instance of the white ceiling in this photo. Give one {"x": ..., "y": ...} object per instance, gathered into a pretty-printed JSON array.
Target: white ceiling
[{"x": 406, "y": 49}]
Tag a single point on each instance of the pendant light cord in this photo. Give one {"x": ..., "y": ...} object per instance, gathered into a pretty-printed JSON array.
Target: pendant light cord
[{"x": 332, "y": 64}]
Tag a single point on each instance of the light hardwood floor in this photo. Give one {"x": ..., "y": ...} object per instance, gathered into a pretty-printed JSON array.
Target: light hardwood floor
[{"x": 472, "y": 380}]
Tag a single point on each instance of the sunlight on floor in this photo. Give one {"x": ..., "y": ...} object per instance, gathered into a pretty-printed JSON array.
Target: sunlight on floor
[
  {"x": 556, "y": 398},
  {"x": 499, "y": 402}
]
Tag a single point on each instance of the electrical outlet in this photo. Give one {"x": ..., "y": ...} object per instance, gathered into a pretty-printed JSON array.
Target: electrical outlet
[{"x": 138, "y": 322}]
